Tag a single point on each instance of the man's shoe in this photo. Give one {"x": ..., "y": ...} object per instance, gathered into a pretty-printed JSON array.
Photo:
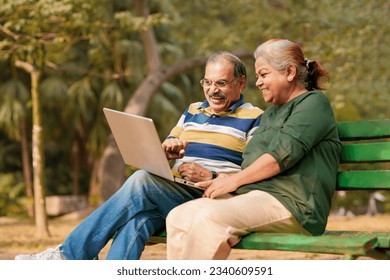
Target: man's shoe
[{"x": 49, "y": 254}]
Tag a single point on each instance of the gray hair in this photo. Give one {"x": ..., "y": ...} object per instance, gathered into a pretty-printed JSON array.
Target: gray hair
[
  {"x": 282, "y": 53},
  {"x": 239, "y": 66}
]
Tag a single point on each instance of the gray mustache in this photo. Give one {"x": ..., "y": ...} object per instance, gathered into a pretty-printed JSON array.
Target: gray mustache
[{"x": 217, "y": 95}]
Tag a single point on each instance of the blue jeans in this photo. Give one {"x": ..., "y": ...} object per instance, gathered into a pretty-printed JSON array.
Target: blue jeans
[{"x": 135, "y": 212}]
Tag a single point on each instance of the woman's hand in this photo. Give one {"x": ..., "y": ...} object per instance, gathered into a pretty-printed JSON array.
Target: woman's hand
[{"x": 223, "y": 184}]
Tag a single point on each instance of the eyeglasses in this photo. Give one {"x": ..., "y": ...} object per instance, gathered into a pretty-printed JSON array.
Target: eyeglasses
[{"x": 219, "y": 84}]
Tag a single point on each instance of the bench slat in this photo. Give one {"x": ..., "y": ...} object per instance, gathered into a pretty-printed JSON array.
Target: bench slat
[
  {"x": 349, "y": 243},
  {"x": 325, "y": 244},
  {"x": 383, "y": 237},
  {"x": 364, "y": 129},
  {"x": 366, "y": 152},
  {"x": 363, "y": 179}
]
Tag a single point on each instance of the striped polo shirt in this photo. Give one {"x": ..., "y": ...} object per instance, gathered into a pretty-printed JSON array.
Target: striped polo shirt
[{"x": 216, "y": 141}]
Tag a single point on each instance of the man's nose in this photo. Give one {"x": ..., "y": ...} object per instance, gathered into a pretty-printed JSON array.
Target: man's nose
[{"x": 213, "y": 88}]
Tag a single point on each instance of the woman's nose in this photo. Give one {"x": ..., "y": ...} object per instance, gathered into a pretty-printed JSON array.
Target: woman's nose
[{"x": 259, "y": 82}]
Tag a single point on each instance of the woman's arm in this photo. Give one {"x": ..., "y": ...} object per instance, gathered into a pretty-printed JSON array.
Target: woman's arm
[{"x": 263, "y": 168}]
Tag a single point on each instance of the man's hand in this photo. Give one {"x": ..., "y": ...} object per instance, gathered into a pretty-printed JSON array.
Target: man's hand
[
  {"x": 174, "y": 148},
  {"x": 194, "y": 172}
]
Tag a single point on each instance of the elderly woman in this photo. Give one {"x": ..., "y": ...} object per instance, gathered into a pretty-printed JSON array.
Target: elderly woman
[{"x": 289, "y": 169}]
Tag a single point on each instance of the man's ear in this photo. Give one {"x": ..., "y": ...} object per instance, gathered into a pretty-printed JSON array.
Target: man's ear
[
  {"x": 291, "y": 73},
  {"x": 242, "y": 82}
]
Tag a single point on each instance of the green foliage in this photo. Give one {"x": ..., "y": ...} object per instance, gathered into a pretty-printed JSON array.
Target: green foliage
[
  {"x": 53, "y": 92},
  {"x": 112, "y": 95},
  {"x": 14, "y": 101},
  {"x": 12, "y": 200},
  {"x": 164, "y": 108},
  {"x": 9, "y": 155},
  {"x": 83, "y": 97}
]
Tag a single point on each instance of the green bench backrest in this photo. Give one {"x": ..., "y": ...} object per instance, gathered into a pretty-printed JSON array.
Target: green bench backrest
[{"x": 365, "y": 144}]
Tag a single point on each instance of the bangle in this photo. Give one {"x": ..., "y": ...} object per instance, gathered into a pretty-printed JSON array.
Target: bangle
[{"x": 213, "y": 174}]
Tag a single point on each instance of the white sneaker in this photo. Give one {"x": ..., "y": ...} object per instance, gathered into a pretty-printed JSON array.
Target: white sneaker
[{"x": 49, "y": 254}]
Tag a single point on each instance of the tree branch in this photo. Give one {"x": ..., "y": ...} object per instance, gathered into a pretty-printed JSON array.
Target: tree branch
[
  {"x": 197, "y": 62},
  {"x": 8, "y": 33},
  {"x": 148, "y": 38},
  {"x": 28, "y": 67}
]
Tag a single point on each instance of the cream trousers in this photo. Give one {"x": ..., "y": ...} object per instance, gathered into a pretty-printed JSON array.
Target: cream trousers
[{"x": 205, "y": 228}]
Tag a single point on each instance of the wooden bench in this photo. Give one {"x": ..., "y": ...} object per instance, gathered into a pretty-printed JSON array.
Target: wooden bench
[{"x": 365, "y": 154}]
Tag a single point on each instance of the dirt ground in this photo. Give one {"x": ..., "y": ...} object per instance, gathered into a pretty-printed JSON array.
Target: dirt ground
[{"x": 18, "y": 236}]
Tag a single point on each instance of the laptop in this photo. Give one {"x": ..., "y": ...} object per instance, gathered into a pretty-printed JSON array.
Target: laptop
[{"x": 140, "y": 145}]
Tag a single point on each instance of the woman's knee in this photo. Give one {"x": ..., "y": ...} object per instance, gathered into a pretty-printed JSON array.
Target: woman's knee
[
  {"x": 173, "y": 216},
  {"x": 179, "y": 218},
  {"x": 190, "y": 214}
]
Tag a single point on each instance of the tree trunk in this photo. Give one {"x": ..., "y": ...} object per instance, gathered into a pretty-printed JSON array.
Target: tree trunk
[
  {"x": 38, "y": 161},
  {"x": 42, "y": 229},
  {"x": 76, "y": 165},
  {"x": 111, "y": 170},
  {"x": 94, "y": 197},
  {"x": 27, "y": 170}
]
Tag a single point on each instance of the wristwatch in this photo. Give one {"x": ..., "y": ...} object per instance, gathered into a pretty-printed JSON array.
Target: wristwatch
[{"x": 213, "y": 174}]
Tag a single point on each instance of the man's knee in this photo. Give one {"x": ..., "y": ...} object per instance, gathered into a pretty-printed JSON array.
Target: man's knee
[
  {"x": 141, "y": 176},
  {"x": 137, "y": 182}
]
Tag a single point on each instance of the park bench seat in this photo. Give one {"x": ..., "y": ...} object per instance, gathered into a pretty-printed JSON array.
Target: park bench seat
[{"x": 364, "y": 165}]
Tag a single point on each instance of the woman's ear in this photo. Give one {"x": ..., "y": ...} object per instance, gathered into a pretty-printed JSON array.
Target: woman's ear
[{"x": 291, "y": 73}]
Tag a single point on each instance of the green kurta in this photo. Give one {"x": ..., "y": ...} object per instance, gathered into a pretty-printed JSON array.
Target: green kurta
[{"x": 302, "y": 136}]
